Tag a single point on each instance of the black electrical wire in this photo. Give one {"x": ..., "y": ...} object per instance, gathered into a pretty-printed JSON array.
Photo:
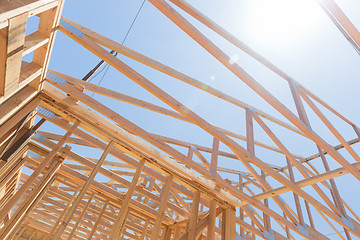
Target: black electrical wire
[
  {"x": 94, "y": 70},
  {"x": 132, "y": 24},
  {"x": 107, "y": 66}
]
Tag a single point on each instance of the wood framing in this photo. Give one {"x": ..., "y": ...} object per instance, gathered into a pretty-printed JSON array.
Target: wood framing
[{"x": 96, "y": 174}]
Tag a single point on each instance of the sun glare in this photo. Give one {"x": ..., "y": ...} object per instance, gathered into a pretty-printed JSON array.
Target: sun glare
[{"x": 280, "y": 21}]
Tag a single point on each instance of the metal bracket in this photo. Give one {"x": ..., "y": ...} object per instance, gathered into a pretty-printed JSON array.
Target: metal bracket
[
  {"x": 204, "y": 86},
  {"x": 193, "y": 148},
  {"x": 294, "y": 82},
  {"x": 47, "y": 113},
  {"x": 33, "y": 154},
  {"x": 252, "y": 154},
  {"x": 347, "y": 221},
  {"x": 39, "y": 137},
  {"x": 251, "y": 109},
  {"x": 71, "y": 28},
  {"x": 238, "y": 237},
  {"x": 309, "y": 127},
  {"x": 303, "y": 229},
  {"x": 269, "y": 235},
  {"x": 56, "y": 79}
]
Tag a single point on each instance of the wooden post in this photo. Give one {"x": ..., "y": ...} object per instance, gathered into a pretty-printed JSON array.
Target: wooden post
[
  {"x": 164, "y": 198},
  {"x": 296, "y": 197},
  {"x": 177, "y": 233},
  {"x": 123, "y": 229},
  {"x": 84, "y": 189},
  {"x": 168, "y": 233},
  {"x": 99, "y": 217},
  {"x": 309, "y": 214},
  {"x": 80, "y": 218},
  {"x": 18, "y": 163},
  {"x": 212, "y": 207},
  {"x": 12, "y": 42},
  {"x": 229, "y": 224},
  {"x": 334, "y": 190},
  {"x": 150, "y": 188},
  {"x": 119, "y": 223},
  {"x": 63, "y": 212},
  {"x": 242, "y": 215},
  {"x": 212, "y": 220},
  {"x": 20, "y": 232},
  {"x": 194, "y": 216},
  {"x": 144, "y": 231}
]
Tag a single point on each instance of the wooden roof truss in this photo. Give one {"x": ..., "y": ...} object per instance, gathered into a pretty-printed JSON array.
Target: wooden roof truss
[{"x": 143, "y": 185}]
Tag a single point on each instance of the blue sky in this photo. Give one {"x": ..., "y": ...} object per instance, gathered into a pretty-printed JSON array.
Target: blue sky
[{"x": 302, "y": 41}]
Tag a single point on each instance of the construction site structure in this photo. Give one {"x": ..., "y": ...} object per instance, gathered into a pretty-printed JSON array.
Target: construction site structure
[{"x": 145, "y": 185}]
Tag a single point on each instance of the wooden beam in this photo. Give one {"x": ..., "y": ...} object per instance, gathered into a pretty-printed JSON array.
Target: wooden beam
[
  {"x": 33, "y": 41},
  {"x": 145, "y": 228},
  {"x": 194, "y": 216},
  {"x": 80, "y": 216},
  {"x": 229, "y": 224},
  {"x": 63, "y": 213},
  {"x": 20, "y": 114},
  {"x": 201, "y": 225},
  {"x": 84, "y": 189},
  {"x": 98, "y": 220},
  {"x": 16, "y": 102},
  {"x": 13, "y": 8},
  {"x": 119, "y": 223},
  {"x": 12, "y": 43},
  {"x": 342, "y": 22},
  {"x": 164, "y": 198}
]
